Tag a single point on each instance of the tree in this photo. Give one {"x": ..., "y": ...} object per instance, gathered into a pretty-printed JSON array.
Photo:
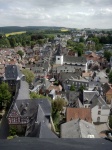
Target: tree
[
  {"x": 57, "y": 105},
  {"x": 72, "y": 88},
  {"x": 110, "y": 77},
  {"x": 107, "y": 55},
  {"x": 81, "y": 39},
  {"x": 110, "y": 122},
  {"x": 107, "y": 70},
  {"x": 20, "y": 53},
  {"x": 12, "y": 41},
  {"x": 80, "y": 52},
  {"x": 12, "y": 131},
  {"x": 34, "y": 95},
  {"x": 5, "y": 95},
  {"x": 51, "y": 37},
  {"x": 29, "y": 75},
  {"x": 82, "y": 88}
]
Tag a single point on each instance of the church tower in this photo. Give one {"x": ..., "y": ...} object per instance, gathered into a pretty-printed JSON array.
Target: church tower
[{"x": 59, "y": 56}]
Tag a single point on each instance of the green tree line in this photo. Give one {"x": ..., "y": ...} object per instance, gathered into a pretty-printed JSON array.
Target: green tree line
[{"x": 25, "y": 39}]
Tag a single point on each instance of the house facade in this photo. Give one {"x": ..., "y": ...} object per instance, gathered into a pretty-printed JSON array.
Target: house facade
[
  {"x": 99, "y": 109},
  {"x": 24, "y": 114},
  {"x": 107, "y": 92}
]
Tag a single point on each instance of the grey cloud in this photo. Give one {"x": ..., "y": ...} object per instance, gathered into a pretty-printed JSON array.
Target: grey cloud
[{"x": 70, "y": 13}]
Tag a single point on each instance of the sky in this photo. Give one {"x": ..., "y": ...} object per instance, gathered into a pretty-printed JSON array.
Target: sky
[{"x": 64, "y": 13}]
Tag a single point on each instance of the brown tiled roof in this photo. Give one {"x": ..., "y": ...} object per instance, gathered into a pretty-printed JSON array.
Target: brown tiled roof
[
  {"x": 110, "y": 91},
  {"x": 106, "y": 87},
  {"x": 78, "y": 113}
]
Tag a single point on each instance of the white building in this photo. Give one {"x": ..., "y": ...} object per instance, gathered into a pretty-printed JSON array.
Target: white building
[
  {"x": 59, "y": 60},
  {"x": 99, "y": 109}
]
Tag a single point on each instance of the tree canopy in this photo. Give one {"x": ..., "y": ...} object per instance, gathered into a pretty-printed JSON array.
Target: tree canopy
[
  {"x": 57, "y": 105},
  {"x": 20, "y": 53},
  {"x": 72, "y": 88},
  {"x": 34, "y": 95},
  {"x": 110, "y": 77},
  {"x": 107, "y": 55},
  {"x": 110, "y": 121},
  {"x": 77, "y": 47},
  {"x": 29, "y": 75},
  {"x": 5, "y": 95}
]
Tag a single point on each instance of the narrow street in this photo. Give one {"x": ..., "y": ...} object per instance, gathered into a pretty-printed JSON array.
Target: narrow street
[{"x": 4, "y": 127}]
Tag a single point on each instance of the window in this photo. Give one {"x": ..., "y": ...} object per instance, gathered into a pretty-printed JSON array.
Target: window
[
  {"x": 99, "y": 107},
  {"x": 99, "y": 112},
  {"x": 98, "y": 119}
]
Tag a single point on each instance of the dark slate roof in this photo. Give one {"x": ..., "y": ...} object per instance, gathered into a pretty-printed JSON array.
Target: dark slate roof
[
  {"x": 73, "y": 59},
  {"x": 98, "y": 100},
  {"x": 40, "y": 115},
  {"x": 45, "y": 132},
  {"x": 69, "y": 75},
  {"x": 69, "y": 68},
  {"x": 88, "y": 95},
  {"x": 72, "y": 96},
  {"x": 25, "y": 143},
  {"x": 45, "y": 105},
  {"x": 78, "y": 129},
  {"x": 58, "y": 53},
  {"x": 46, "y": 83},
  {"x": 23, "y": 91},
  {"x": 33, "y": 128},
  {"x": 28, "y": 107},
  {"x": 12, "y": 72}
]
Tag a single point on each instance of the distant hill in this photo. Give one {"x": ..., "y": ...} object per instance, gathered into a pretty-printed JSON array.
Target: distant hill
[{"x": 10, "y": 29}]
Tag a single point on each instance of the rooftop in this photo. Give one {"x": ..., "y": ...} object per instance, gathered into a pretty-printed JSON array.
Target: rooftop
[
  {"x": 60, "y": 144},
  {"x": 78, "y": 129},
  {"x": 76, "y": 113}
]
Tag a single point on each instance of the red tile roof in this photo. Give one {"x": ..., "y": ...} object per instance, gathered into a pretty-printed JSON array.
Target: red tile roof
[{"x": 75, "y": 113}]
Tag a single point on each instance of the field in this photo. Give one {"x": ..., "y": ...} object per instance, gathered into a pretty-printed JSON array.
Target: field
[
  {"x": 14, "y": 33},
  {"x": 64, "y": 30}
]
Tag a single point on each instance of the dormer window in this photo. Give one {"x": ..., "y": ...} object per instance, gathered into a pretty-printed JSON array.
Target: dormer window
[
  {"x": 99, "y": 107},
  {"x": 99, "y": 112}
]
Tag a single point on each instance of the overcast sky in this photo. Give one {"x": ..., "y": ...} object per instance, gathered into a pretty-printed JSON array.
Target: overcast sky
[{"x": 67, "y": 13}]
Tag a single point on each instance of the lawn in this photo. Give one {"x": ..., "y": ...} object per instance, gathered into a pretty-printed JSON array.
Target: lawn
[{"x": 14, "y": 33}]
